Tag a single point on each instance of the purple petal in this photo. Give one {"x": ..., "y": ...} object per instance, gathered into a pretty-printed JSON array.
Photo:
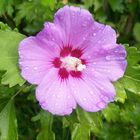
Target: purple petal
[
  {"x": 75, "y": 22},
  {"x": 92, "y": 94},
  {"x": 52, "y": 36},
  {"x": 101, "y": 36},
  {"x": 33, "y": 60},
  {"x": 109, "y": 63},
  {"x": 54, "y": 95}
]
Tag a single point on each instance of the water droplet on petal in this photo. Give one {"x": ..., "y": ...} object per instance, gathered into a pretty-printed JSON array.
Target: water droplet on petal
[
  {"x": 26, "y": 68},
  {"x": 120, "y": 58},
  {"x": 73, "y": 85},
  {"x": 84, "y": 99},
  {"x": 108, "y": 58},
  {"x": 52, "y": 39},
  {"x": 101, "y": 105},
  {"x": 20, "y": 62},
  {"x": 91, "y": 92},
  {"x": 68, "y": 97},
  {"x": 58, "y": 96},
  {"x": 84, "y": 24},
  {"x": 88, "y": 18},
  {"x": 108, "y": 71},
  {"x": 113, "y": 34},
  {"x": 84, "y": 38},
  {"x": 21, "y": 56},
  {"x": 101, "y": 88},
  {"x": 35, "y": 68},
  {"x": 89, "y": 57},
  {"x": 75, "y": 91},
  {"x": 106, "y": 99}
]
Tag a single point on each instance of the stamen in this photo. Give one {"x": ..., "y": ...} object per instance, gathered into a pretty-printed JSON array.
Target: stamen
[
  {"x": 81, "y": 67},
  {"x": 72, "y": 63}
]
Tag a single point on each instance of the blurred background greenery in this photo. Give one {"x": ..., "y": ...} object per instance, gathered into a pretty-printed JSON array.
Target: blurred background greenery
[{"x": 120, "y": 121}]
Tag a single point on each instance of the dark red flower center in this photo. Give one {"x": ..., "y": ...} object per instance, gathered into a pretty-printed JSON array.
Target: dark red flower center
[{"x": 69, "y": 63}]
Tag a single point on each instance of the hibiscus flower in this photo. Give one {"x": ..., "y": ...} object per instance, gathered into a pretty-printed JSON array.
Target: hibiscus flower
[{"x": 73, "y": 61}]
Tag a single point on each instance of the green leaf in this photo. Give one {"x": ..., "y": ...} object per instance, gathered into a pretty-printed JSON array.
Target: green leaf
[
  {"x": 120, "y": 92},
  {"x": 133, "y": 56},
  {"x": 131, "y": 79},
  {"x": 116, "y": 5},
  {"x": 6, "y": 6},
  {"x": 9, "y": 41},
  {"x": 131, "y": 84},
  {"x": 82, "y": 124},
  {"x": 93, "y": 120},
  {"x": 80, "y": 132},
  {"x": 8, "y": 122},
  {"x": 136, "y": 31},
  {"x": 88, "y": 123},
  {"x": 111, "y": 113},
  {"x": 46, "y": 133},
  {"x": 4, "y": 27},
  {"x": 48, "y": 3},
  {"x": 96, "y": 3}
]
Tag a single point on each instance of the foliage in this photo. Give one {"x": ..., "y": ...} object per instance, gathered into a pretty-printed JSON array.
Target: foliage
[{"x": 21, "y": 117}]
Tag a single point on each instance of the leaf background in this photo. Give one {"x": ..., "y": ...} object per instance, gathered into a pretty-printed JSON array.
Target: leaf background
[{"x": 21, "y": 117}]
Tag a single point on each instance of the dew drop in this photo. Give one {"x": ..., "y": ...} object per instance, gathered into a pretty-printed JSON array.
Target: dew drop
[
  {"x": 84, "y": 99},
  {"x": 26, "y": 68},
  {"x": 102, "y": 88},
  {"x": 108, "y": 71},
  {"x": 75, "y": 32},
  {"x": 73, "y": 85},
  {"x": 101, "y": 105},
  {"x": 35, "y": 68},
  {"x": 88, "y": 18},
  {"x": 106, "y": 99},
  {"x": 43, "y": 104},
  {"x": 91, "y": 92},
  {"x": 58, "y": 96},
  {"x": 102, "y": 96},
  {"x": 75, "y": 91},
  {"x": 21, "y": 56},
  {"x": 52, "y": 39},
  {"x": 113, "y": 34},
  {"x": 84, "y": 38},
  {"x": 120, "y": 58},
  {"x": 68, "y": 97},
  {"x": 84, "y": 24},
  {"x": 52, "y": 108},
  {"x": 73, "y": 13},
  {"x": 107, "y": 58},
  {"x": 20, "y": 62},
  {"x": 89, "y": 57}
]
